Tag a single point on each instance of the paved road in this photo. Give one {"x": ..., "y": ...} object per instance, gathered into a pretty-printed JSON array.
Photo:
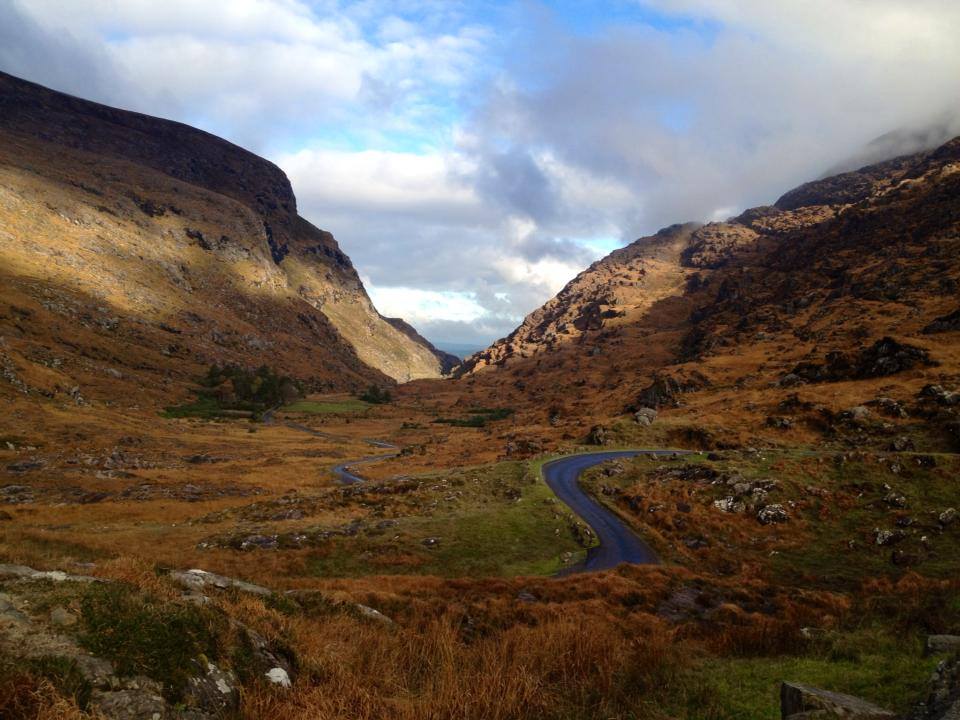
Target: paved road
[
  {"x": 342, "y": 471},
  {"x": 618, "y": 543}
]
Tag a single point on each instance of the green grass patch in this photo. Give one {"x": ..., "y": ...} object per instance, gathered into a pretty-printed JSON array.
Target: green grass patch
[
  {"x": 479, "y": 418},
  {"x": 877, "y": 666},
  {"x": 144, "y": 635},
  {"x": 314, "y": 407},
  {"x": 504, "y": 521}
]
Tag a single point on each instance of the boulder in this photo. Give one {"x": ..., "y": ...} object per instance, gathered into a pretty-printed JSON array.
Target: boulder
[
  {"x": 729, "y": 504},
  {"x": 895, "y": 499},
  {"x": 803, "y": 701},
  {"x": 597, "y": 436},
  {"x": 945, "y": 323},
  {"x": 373, "y": 614},
  {"x": 771, "y": 514},
  {"x": 130, "y": 704},
  {"x": 645, "y": 416},
  {"x": 940, "y": 395},
  {"x": 888, "y": 537},
  {"x": 278, "y": 676},
  {"x": 937, "y": 644},
  {"x": 948, "y": 517},
  {"x": 26, "y": 573},
  {"x": 200, "y": 580},
  {"x": 213, "y": 689}
]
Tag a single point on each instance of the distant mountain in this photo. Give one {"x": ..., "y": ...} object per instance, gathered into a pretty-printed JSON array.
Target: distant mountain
[
  {"x": 461, "y": 350},
  {"x": 144, "y": 249}
]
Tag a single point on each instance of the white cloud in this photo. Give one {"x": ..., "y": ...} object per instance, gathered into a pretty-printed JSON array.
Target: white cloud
[
  {"x": 425, "y": 306},
  {"x": 375, "y": 181},
  {"x": 470, "y": 170}
]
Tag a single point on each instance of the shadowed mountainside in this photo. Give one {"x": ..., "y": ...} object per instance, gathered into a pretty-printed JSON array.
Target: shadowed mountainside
[{"x": 138, "y": 248}]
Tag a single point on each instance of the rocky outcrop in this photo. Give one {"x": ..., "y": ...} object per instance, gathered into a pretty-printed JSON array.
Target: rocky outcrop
[
  {"x": 885, "y": 357},
  {"x": 945, "y": 323},
  {"x": 626, "y": 282},
  {"x": 801, "y": 702}
]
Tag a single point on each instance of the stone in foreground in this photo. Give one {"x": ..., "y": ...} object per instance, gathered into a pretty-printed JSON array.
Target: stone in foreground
[
  {"x": 802, "y": 701},
  {"x": 937, "y": 644}
]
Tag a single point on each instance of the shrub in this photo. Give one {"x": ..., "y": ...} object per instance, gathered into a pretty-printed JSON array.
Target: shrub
[{"x": 376, "y": 395}]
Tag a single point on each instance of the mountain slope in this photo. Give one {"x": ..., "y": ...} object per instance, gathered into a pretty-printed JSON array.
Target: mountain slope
[
  {"x": 766, "y": 327},
  {"x": 149, "y": 248}
]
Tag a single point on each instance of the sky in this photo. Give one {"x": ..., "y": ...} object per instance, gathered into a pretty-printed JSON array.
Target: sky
[{"x": 473, "y": 157}]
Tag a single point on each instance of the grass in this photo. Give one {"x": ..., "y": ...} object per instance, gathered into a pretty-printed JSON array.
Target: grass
[
  {"x": 888, "y": 672},
  {"x": 204, "y": 407},
  {"x": 144, "y": 635},
  {"x": 314, "y": 407},
  {"x": 503, "y": 521},
  {"x": 479, "y": 418},
  {"x": 209, "y": 408}
]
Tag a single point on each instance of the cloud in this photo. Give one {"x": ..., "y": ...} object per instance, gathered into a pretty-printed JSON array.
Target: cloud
[
  {"x": 264, "y": 73},
  {"x": 471, "y": 158}
]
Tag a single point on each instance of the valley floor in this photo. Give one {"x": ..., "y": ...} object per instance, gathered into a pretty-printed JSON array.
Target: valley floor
[{"x": 806, "y": 564}]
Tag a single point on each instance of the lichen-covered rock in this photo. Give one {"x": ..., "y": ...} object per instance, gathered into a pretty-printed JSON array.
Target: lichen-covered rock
[
  {"x": 645, "y": 416},
  {"x": 888, "y": 537},
  {"x": 729, "y": 504},
  {"x": 213, "y": 689},
  {"x": 803, "y": 701},
  {"x": 200, "y": 580},
  {"x": 942, "y": 644},
  {"x": 771, "y": 514}
]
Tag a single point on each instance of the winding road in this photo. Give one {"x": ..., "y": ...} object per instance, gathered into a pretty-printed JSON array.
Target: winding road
[{"x": 618, "y": 543}]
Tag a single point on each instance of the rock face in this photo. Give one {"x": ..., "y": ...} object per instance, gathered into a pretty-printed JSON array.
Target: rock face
[
  {"x": 164, "y": 248},
  {"x": 802, "y": 701},
  {"x": 447, "y": 361},
  {"x": 625, "y": 281}
]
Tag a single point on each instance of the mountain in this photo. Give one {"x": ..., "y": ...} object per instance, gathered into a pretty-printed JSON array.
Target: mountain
[
  {"x": 447, "y": 361},
  {"x": 142, "y": 249},
  {"x": 766, "y": 327}
]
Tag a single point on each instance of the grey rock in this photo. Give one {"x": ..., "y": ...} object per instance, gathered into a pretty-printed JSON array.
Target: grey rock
[
  {"x": 948, "y": 516},
  {"x": 729, "y": 504},
  {"x": 771, "y": 514},
  {"x": 645, "y": 416},
  {"x": 278, "y": 676},
  {"x": 857, "y": 413},
  {"x": 937, "y": 644},
  {"x": 803, "y": 701},
  {"x": 895, "y": 499},
  {"x": 130, "y": 704},
  {"x": 213, "y": 690},
  {"x": 888, "y": 537},
  {"x": 61, "y": 617},
  {"x": 26, "y": 573},
  {"x": 373, "y": 614},
  {"x": 198, "y": 580}
]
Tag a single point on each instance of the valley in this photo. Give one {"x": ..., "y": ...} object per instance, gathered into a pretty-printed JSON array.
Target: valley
[{"x": 723, "y": 458}]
